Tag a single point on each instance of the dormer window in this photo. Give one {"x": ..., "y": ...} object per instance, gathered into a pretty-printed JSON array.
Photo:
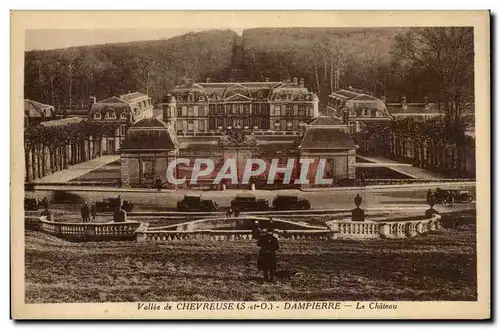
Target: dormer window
[
  {"x": 97, "y": 116},
  {"x": 259, "y": 94},
  {"x": 200, "y": 98},
  {"x": 110, "y": 115},
  {"x": 123, "y": 116},
  {"x": 190, "y": 97}
]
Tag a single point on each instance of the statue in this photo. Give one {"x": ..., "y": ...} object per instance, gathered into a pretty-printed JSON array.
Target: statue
[
  {"x": 237, "y": 137},
  {"x": 358, "y": 214}
]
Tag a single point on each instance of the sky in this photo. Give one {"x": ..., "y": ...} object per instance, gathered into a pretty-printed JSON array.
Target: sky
[{"x": 53, "y": 39}]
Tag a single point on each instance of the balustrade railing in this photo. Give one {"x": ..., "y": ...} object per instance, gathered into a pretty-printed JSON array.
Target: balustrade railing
[{"x": 137, "y": 231}]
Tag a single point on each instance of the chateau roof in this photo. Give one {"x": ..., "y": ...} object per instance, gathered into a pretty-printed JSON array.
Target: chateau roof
[
  {"x": 130, "y": 97},
  {"x": 62, "y": 122},
  {"x": 117, "y": 107},
  {"x": 327, "y": 121},
  {"x": 149, "y": 134},
  {"x": 36, "y": 109},
  {"x": 112, "y": 100},
  {"x": 412, "y": 109},
  {"x": 247, "y": 89},
  {"x": 327, "y": 139},
  {"x": 345, "y": 94}
]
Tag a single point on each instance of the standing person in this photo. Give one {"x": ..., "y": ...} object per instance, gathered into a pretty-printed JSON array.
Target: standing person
[
  {"x": 429, "y": 196},
  {"x": 85, "y": 212},
  {"x": 236, "y": 212},
  {"x": 120, "y": 215},
  {"x": 93, "y": 211},
  {"x": 158, "y": 183},
  {"x": 45, "y": 203},
  {"x": 266, "y": 261},
  {"x": 450, "y": 199},
  {"x": 255, "y": 230},
  {"x": 229, "y": 212},
  {"x": 363, "y": 177}
]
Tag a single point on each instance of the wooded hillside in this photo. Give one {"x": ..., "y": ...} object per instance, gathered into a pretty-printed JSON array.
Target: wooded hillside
[
  {"x": 69, "y": 76},
  {"x": 392, "y": 61}
]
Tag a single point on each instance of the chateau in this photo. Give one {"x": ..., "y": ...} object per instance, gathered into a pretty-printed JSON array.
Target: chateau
[
  {"x": 117, "y": 114},
  {"x": 209, "y": 107}
]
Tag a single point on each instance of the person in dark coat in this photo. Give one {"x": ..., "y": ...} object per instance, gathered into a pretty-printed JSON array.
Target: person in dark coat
[
  {"x": 255, "y": 230},
  {"x": 85, "y": 211},
  {"x": 158, "y": 183},
  {"x": 93, "y": 211},
  {"x": 266, "y": 261},
  {"x": 120, "y": 215},
  {"x": 229, "y": 212},
  {"x": 45, "y": 203},
  {"x": 429, "y": 196},
  {"x": 236, "y": 212}
]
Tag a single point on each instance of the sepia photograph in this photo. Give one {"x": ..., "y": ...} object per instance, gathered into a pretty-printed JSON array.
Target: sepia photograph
[{"x": 261, "y": 168}]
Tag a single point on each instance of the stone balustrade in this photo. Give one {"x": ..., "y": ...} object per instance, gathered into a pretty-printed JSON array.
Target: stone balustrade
[
  {"x": 384, "y": 229},
  {"x": 132, "y": 230},
  {"x": 90, "y": 231},
  {"x": 233, "y": 235}
]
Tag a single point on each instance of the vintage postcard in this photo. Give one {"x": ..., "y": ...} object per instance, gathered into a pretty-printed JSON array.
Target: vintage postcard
[{"x": 250, "y": 165}]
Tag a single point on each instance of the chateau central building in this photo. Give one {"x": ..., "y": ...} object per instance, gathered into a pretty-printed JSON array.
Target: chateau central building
[{"x": 209, "y": 107}]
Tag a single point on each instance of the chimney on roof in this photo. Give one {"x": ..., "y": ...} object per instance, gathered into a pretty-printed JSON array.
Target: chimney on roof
[
  {"x": 267, "y": 79},
  {"x": 295, "y": 81},
  {"x": 301, "y": 82},
  {"x": 93, "y": 99},
  {"x": 426, "y": 103},
  {"x": 208, "y": 80},
  {"x": 404, "y": 106}
]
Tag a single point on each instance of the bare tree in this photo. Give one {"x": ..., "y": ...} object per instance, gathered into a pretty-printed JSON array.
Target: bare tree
[{"x": 447, "y": 55}]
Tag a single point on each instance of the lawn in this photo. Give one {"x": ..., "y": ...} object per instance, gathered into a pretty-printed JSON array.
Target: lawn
[
  {"x": 107, "y": 174},
  {"x": 438, "y": 266}
]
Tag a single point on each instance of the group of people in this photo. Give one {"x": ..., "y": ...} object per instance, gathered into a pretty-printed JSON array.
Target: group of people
[
  {"x": 361, "y": 181},
  {"x": 232, "y": 212},
  {"x": 88, "y": 212},
  {"x": 431, "y": 199}
]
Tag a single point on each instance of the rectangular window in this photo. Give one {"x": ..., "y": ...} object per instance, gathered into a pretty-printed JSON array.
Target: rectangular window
[
  {"x": 190, "y": 125},
  {"x": 201, "y": 111},
  {"x": 123, "y": 130},
  {"x": 190, "y": 112},
  {"x": 277, "y": 111},
  {"x": 329, "y": 168},
  {"x": 202, "y": 125},
  {"x": 289, "y": 111},
  {"x": 352, "y": 127},
  {"x": 179, "y": 112},
  {"x": 277, "y": 125},
  {"x": 147, "y": 169},
  {"x": 184, "y": 111}
]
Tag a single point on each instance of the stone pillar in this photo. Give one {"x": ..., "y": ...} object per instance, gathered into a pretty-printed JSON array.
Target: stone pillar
[
  {"x": 124, "y": 172},
  {"x": 384, "y": 230}
]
